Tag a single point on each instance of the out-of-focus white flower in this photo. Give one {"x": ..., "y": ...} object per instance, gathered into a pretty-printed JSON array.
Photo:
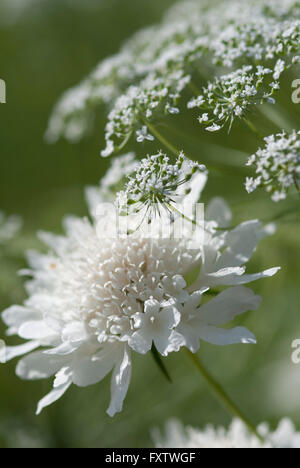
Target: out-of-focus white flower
[
  {"x": 93, "y": 299},
  {"x": 236, "y": 436},
  {"x": 9, "y": 226},
  {"x": 277, "y": 165}
]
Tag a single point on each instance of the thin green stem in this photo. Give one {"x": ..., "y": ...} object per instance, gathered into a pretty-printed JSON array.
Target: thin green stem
[
  {"x": 276, "y": 117},
  {"x": 253, "y": 128},
  {"x": 217, "y": 167},
  {"x": 162, "y": 139},
  {"x": 222, "y": 396},
  {"x": 213, "y": 165},
  {"x": 173, "y": 208},
  {"x": 205, "y": 142}
]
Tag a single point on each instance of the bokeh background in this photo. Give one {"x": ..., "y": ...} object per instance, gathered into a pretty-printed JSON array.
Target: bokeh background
[{"x": 48, "y": 46}]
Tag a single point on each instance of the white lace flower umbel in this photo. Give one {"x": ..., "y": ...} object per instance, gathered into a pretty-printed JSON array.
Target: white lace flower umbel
[
  {"x": 277, "y": 165},
  {"x": 93, "y": 300},
  {"x": 224, "y": 58}
]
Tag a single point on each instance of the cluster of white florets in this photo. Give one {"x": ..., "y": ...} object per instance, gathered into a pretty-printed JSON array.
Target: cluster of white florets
[
  {"x": 139, "y": 105},
  {"x": 158, "y": 183},
  {"x": 265, "y": 40},
  {"x": 231, "y": 96},
  {"x": 236, "y": 436},
  {"x": 192, "y": 43},
  {"x": 277, "y": 165}
]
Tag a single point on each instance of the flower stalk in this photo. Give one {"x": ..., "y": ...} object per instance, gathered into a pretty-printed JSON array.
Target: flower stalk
[
  {"x": 162, "y": 139},
  {"x": 222, "y": 396}
]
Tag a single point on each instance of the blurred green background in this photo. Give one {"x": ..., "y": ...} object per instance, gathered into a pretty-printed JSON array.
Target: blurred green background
[{"x": 47, "y": 48}]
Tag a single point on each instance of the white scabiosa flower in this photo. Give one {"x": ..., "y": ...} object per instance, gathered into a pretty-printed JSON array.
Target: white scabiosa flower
[
  {"x": 277, "y": 165},
  {"x": 94, "y": 299},
  {"x": 236, "y": 436}
]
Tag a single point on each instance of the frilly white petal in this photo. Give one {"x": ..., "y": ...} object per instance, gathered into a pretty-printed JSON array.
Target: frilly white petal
[
  {"x": 254, "y": 277},
  {"x": 219, "y": 212},
  {"x": 63, "y": 349},
  {"x": 12, "y": 352},
  {"x": 120, "y": 383},
  {"x": 228, "y": 304},
  {"x": 241, "y": 244},
  {"x": 93, "y": 198},
  {"x": 233, "y": 277},
  {"x": 38, "y": 366},
  {"x": 74, "y": 332},
  {"x": 186, "y": 335},
  {"x": 223, "y": 337},
  {"x": 89, "y": 370},
  {"x": 15, "y": 316},
  {"x": 140, "y": 341},
  {"x": 35, "y": 330},
  {"x": 53, "y": 396}
]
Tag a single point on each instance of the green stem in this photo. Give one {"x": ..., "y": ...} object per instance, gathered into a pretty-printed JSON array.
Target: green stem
[
  {"x": 173, "y": 208},
  {"x": 213, "y": 165},
  {"x": 162, "y": 139},
  {"x": 276, "y": 118},
  {"x": 217, "y": 167},
  {"x": 222, "y": 396},
  {"x": 253, "y": 128}
]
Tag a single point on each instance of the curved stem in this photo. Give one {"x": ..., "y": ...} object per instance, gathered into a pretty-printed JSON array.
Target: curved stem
[
  {"x": 162, "y": 139},
  {"x": 222, "y": 396},
  {"x": 173, "y": 208},
  {"x": 217, "y": 167},
  {"x": 276, "y": 117},
  {"x": 253, "y": 128}
]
